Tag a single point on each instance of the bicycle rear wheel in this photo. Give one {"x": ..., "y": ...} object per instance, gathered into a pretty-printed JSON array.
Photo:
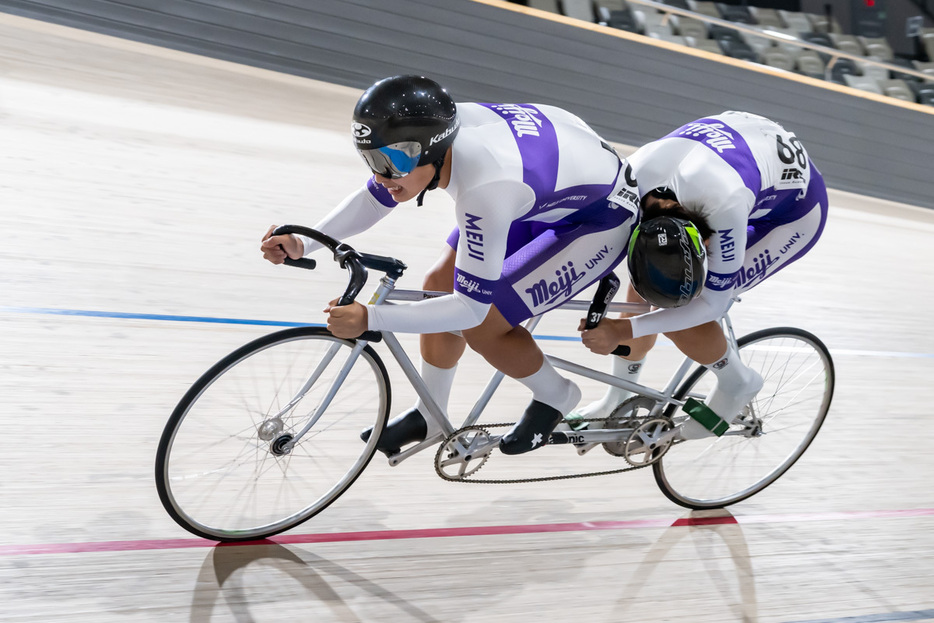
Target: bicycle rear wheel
[
  {"x": 718, "y": 471},
  {"x": 218, "y": 471}
]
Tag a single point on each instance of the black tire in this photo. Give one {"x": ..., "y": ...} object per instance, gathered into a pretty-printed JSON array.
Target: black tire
[
  {"x": 217, "y": 471},
  {"x": 718, "y": 471}
]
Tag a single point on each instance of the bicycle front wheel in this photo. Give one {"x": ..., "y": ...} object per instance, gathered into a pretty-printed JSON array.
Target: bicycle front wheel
[
  {"x": 221, "y": 470},
  {"x": 786, "y": 415}
]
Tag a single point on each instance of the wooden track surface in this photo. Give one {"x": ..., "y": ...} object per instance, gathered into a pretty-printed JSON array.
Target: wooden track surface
[{"x": 139, "y": 181}]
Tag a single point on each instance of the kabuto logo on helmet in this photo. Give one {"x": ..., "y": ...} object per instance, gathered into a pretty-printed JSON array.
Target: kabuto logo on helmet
[
  {"x": 446, "y": 133},
  {"x": 360, "y": 130}
]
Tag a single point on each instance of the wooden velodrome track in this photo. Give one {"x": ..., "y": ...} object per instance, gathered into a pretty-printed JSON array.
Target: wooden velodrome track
[{"x": 135, "y": 184}]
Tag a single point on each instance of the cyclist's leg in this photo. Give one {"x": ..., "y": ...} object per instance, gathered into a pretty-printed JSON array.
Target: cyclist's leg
[
  {"x": 737, "y": 383},
  {"x": 440, "y": 353},
  {"x": 443, "y": 350},
  {"x": 788, "y": 230},
  {"x": 513, "y": 351},
  {"x": 545, "y": 273},
  {"x": 628, "y": 368}
]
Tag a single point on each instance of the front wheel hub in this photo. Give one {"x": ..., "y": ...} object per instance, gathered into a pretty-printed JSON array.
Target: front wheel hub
[{"x": 282, "y": 445}]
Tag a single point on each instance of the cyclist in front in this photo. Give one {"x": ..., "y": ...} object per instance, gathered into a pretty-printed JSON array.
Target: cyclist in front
[
  {"x": 544, "y": 208},
  {"x": 747, "y": 187}
]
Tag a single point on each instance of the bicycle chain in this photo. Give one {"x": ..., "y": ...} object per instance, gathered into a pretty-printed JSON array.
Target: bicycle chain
[{"x": 507, "y": 481}]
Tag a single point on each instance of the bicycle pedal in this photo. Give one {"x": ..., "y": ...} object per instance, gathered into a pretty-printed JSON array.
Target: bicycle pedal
[{"x": 575, "y": 422}]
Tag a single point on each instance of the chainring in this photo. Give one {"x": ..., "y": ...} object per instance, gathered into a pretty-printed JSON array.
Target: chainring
[
  {"x": 649, "y": 441},
  {"x": 629, "y": 414},
  {"x": 463, "y": 453}
]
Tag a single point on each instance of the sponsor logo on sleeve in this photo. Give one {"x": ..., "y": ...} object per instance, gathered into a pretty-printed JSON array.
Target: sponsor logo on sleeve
[
  {"x": 727, "y": 244},
  {"x": 711, "y": 134},
  {"x": 473, "y": 236},
  {"x": 524, "y": 121},
  {"x": 475, "y": 287}
]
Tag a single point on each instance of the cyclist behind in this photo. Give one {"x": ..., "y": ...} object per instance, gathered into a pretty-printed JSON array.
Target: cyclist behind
[
  {"x": 747, "y": 187},
  {"x": 544, "y": 208}
]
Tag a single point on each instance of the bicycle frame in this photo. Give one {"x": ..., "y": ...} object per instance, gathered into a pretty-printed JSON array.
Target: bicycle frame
[{"x": 386, "y": 292}]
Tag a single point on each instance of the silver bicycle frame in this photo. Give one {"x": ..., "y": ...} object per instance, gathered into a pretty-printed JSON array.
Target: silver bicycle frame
[{"x": 385, "y": 293}]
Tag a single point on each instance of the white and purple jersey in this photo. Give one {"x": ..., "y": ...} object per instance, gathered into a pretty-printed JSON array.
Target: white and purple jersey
[
  {"x": 757, "y": 188},
  {"x": 544, "y": 208}
]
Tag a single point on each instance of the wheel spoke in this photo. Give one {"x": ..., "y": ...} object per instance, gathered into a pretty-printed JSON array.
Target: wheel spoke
[
  {"x": 798, "y": 386},
  {"x": 215, "y": 476}
]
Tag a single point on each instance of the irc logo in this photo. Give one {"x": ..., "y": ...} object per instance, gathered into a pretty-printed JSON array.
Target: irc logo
[{"x": 792, "y": 174}]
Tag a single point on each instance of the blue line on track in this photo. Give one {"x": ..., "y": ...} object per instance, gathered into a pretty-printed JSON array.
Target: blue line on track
[
  {"x": 283, "y": 323},
  {"x": 170, "y": 318}
]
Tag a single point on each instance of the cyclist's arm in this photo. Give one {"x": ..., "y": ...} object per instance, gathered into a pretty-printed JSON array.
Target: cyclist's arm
[
  {"x": 725, "y": 254},
  {"x": 484, "y": 216},
  {"x": 358, "y": 212}
]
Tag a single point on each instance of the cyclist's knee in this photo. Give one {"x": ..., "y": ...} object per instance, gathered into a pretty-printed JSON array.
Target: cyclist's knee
[{"x": 440, "y": 277}]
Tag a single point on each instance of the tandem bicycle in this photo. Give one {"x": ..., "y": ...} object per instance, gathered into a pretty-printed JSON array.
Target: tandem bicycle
[{"x": 269, "y": 436}]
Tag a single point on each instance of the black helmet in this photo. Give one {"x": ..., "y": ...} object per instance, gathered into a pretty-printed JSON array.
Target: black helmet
[
  {"x": 667, "y": 261},
  {"x": 403, "y": 122}
]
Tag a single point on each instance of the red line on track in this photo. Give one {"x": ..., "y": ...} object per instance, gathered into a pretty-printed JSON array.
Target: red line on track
[{"x": 432, "y": 533}]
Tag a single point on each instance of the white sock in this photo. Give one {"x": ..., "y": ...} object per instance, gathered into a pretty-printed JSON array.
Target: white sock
[
  {"x": 439, "y": 382},
  {"x": 552, "y": 389},
  {"x": 622, "y": 369},
  {"x": 737, "y": 384}
]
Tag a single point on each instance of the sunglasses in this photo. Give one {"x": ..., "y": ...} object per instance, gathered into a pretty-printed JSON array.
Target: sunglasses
[{"x": 393, "y": 161}]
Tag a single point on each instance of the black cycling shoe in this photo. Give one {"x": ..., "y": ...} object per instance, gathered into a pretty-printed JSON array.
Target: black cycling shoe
[
  {"x": 532, "y": 430},
  {"x": 401, "y": 430}
]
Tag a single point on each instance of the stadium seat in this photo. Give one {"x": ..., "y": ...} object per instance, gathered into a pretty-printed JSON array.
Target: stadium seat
[
  {"x": 579, "y": 9},
  {"x": 864, "y": 83},
  {"x": 689, "y": 27},
  {"x": 843, "y": 67},
  {"x": 678, "y": 4},
  {"x": 735, "y": 13},
  {"x": 708, "y": 45},
  {"x": 654, "y": 22},
  {"x": 624, "y": 20},
  {"x": 821, "y": 23},
  {"x": 876, "y": 46},
  {"x": 847, "y": 43},
  {"x": 716, "y": 31},
  {"x": 778, "y": 58},
  {"x": 604, "y": 7},
  {"x": 809, "y": 63},
  {"x": 798, "y": 22},
  {"x": 875, "y": 72},
  {"x": 817, "y": 38},
  {"x": 898, "y": 89},
  {"x": 738, "y": 49},
  {"x": 768, "y": 18},
  {"x": 924, "y": 92},
  {"x": 704, "y": 8},
  {"x": 925, "y": 68},
  {"x": 760, "y": 44},
  {"x": 903, "y": 62}
]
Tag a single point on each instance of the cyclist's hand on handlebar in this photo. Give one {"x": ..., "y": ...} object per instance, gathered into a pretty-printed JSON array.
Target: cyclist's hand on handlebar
[
  {"x": 606, "y": 336},
  {"x": 346, "y": 321},
  {"x": 277, "y": 248}
]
